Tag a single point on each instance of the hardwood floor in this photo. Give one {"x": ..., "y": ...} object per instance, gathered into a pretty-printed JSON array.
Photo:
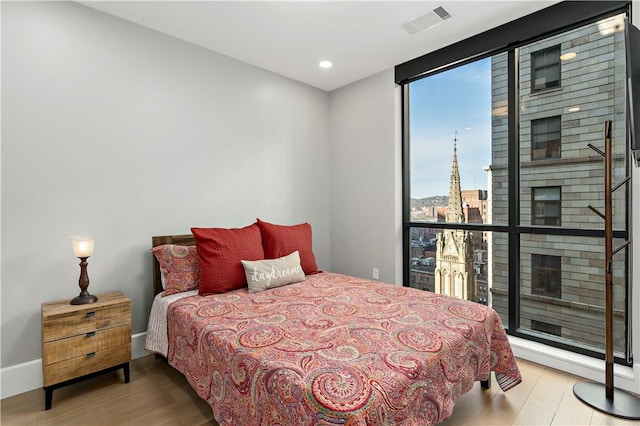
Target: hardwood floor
[
  {"x": 159, "y": 395},
  {"x": 156, "y": 395},
  {"x": 545, "y": 397}
]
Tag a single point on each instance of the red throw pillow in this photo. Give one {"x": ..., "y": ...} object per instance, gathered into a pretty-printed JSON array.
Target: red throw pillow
[
  {"x": 282, "y": 240},
  {"x": 220, "y": 251}
]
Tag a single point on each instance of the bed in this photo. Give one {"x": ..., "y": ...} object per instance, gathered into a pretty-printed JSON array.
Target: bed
[{"x": 331, "y": 349}]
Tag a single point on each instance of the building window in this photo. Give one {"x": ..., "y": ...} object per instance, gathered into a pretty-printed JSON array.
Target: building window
[
  {"x": 545, "y": 138},
  {"x": 545, "y": 327},
  {"x": 546, "y": 206},
  {"x": 546, "y": 275},
  {"x": 545, "y": 69}
]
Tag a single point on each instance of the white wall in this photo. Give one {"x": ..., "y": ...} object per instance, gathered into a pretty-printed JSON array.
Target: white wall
[
  {"x": 365, "y": 179},
  {"x": 113, "y": 129}
]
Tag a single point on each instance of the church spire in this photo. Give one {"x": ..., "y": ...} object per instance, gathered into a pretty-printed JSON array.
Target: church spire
[{"x": 454, "y": 210}]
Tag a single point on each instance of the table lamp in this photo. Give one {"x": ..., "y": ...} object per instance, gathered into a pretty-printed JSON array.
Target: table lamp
[{"x": 82, "y": 249}]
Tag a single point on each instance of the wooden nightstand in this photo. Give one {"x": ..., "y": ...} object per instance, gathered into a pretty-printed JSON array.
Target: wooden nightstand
[{"x": 80, "y": 341}]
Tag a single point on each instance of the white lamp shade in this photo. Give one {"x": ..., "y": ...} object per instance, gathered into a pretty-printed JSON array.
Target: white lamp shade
[{"x": 82, "y": 245}]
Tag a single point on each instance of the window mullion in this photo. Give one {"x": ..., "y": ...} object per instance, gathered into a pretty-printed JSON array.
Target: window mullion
[{"x": 514, "y": 203}]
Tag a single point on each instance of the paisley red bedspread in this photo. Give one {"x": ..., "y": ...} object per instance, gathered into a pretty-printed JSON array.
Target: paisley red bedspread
[{"x": 335, "y": 349}]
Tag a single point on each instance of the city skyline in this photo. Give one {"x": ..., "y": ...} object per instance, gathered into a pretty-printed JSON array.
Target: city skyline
[{"x": 466, "y": 90}]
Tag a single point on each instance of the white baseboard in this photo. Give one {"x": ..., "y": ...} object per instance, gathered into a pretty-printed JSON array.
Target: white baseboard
[
  {"x": 20, "y": 378},
  {"x": 27, "y": 376},
  {"x": 626, "y": 378}
]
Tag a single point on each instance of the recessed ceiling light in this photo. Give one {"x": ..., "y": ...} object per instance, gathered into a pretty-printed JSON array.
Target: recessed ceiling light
[{"x": 325, "y": 64}]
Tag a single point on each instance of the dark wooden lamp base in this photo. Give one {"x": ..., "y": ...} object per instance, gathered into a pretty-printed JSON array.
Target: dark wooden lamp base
[
  {"x": 82, "y": 299},
  {"x": 83, "y": 282}
]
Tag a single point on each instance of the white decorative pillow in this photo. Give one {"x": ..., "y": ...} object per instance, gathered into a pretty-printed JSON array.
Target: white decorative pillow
[{"x": 271, "y": 273}]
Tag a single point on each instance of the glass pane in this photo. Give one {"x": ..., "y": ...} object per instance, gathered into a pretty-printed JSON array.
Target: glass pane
[
  {"x": 546, "y": 194},
  {"x": 498, "y": 255},
  {"x": 453, "y": 262},
  {"x": 539, "y": 60},
  {"x": 498, "y": 176},
  {"x": 592, "y": 91},
  {"x": 451, "y": 143},
  {"x": 562, "y": 290}
]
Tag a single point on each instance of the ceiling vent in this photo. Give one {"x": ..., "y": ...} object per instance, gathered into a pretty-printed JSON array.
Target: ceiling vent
[{"x": 426, "y": 21}]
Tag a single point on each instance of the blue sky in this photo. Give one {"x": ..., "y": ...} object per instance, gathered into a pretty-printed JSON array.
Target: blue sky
[{"x": 455, "y": 100}]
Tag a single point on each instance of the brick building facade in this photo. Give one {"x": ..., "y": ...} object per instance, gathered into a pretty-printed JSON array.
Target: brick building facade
[{"x": 569, "y": 85}]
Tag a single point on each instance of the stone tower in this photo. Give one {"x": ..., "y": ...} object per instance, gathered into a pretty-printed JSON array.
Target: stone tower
[{"x": 455, "y": 273}]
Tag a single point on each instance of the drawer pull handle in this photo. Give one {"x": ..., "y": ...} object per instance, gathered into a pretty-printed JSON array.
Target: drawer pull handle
[
  {"x": 91, "y": 334},
  {"x": 91, "y": 314},
  {"x": 91, "y": 355}
]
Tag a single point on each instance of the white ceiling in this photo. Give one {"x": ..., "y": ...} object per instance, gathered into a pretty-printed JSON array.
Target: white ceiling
[{"x": 361, "y": 38}]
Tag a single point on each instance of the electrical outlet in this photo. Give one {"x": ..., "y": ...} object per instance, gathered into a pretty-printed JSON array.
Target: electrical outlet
[{"x": 376, "y": 273}]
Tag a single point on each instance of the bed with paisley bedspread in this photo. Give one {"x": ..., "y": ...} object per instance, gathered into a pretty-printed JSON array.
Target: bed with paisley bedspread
[{"x": 331, "y": 349}]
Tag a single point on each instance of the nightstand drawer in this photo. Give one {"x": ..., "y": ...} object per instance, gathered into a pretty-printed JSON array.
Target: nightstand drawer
[
  {"x": 75, "y": 324},
  {"x": 86, "y": 364},
  {"x": 72, "y": 347}
]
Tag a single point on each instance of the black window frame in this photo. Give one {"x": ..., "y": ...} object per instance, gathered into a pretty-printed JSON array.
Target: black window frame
[
  {"x": 553, "y": 20},
  {"x": 551, "y": 62}
]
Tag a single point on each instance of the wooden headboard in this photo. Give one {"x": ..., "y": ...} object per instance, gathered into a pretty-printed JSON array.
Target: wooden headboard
[{"x": 181, "y": 240}]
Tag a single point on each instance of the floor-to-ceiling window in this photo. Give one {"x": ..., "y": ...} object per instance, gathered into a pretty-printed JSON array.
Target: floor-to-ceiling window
[{"x": 500, "y": 182}]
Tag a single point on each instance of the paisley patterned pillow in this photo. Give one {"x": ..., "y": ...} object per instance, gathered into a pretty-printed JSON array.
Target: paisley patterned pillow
[{"x": 179, "y": 266}]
